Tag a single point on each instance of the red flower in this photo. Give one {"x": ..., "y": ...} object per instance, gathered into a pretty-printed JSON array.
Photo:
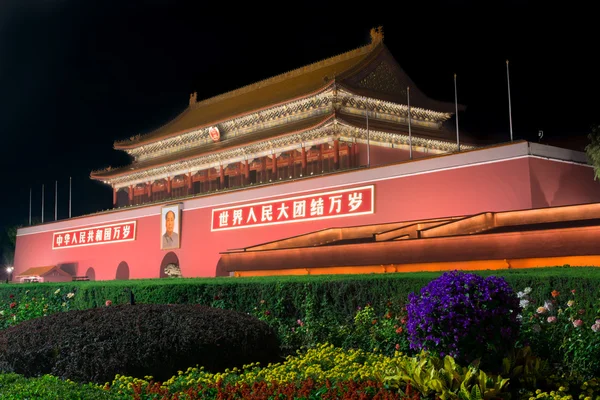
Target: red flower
[
  {"x": 404, "y": 319},
  {"x": 374, "y": 321},
  {"x": 555, "y": 293},
  {"x": 573, "y": 291},
  {"x": 581, "y": 312},
  {"x": 11, "y": 296},
  {"x": 399, "y": 330},
  {"x": 13, "y": 304},
  {"x": 108, "y": 303},
  {"x": 397, "y": 346}
]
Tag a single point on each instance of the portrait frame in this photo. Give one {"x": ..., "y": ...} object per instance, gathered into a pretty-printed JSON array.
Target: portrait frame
[{"x": 175, "y": 237}]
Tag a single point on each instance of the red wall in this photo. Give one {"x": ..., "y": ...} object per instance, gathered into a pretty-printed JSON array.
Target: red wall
[
  {"x": 559, "y": 183},
  {"x": 400, "y": 195},
  {"x": 385, "y": 155}
]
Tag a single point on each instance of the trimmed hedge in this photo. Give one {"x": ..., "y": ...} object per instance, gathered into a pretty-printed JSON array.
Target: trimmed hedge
[
  {"x": 93, "y": 345},
  {"x": 342, "y": 293},
  {"x": 328, "y": 302}
]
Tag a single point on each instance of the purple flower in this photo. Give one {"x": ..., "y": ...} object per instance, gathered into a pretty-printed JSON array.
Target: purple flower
[{"x": 464, "y": 315}]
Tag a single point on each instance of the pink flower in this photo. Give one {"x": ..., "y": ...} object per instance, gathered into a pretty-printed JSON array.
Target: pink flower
[
  {"x": 573, "y": 291},
  {"x": 542, "y": 310},
  {"x": 108, "y": 303},
  {"x": 578, "y": 323},
  {"x": 596, "y": 327},
  {"x": 551, "y": 320},
  {"x": 397, "y": 346},
  {"x": 300, "y": 322}
]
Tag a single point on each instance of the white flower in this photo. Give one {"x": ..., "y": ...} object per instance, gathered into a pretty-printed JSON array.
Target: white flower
[
  {"x": 548, "y": 305},
  {"x": 524, "y": 303},
  {"x": 1, "y": 312},
  {"x": 520, "y": 295},
  {"x": 57, "y": 290},
  {"x": 527, "y": 290},
  {"x": 70, "y": 295}
]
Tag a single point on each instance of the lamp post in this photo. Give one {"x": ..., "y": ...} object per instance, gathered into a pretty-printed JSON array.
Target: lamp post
[{"x": 9, "y": 271}]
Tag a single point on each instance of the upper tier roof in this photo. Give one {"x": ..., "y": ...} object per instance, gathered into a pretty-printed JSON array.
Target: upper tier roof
[{"x": 351, "y": 68}]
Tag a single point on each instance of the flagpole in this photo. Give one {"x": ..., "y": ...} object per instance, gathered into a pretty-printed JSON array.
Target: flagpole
[
  {"x": 42, "y": 203},
  {"x": 69, "y": 197},
  {"x": 456, "y": 107},
  {"x": 30, "y": 206},
  {"x": 55, "y": 200},
  {"x": 409, "y": 131},
  {"x": 368, "y": 138},
  {"x": 509, "y": 105}
]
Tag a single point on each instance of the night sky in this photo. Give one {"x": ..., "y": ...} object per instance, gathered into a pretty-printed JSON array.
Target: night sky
[{"x": 77, "y": 75}]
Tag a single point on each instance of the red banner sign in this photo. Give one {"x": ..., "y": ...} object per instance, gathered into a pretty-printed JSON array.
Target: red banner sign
[
  {"x": 339, "y": 203},
  {"x": 114, "y": 233}
]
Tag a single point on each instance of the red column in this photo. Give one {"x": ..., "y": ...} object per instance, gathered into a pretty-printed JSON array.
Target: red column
[
  {"x": 246, "y": 173},
  {"x": 130, "y": 194},
  {"x": 263, "y": 168},
  {"x": 292, "y": 163},
  {"x": 303, "y": 161},
  {"x": 169, "y": 185},
  {"x": 274, "y": 167},
  {"x": 189, "y": 186},
  {"x": 321, "y": 151},
  {"x": 114, "y": 197},
  {"x": 221, "y": 176},
  {"x": 356, "y": 155},
  {"x": 336, "y": 154},
  {"x": 149, "y": 184}
]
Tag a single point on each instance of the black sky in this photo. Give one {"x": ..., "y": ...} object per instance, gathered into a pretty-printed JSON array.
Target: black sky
[{"x": 77, "y": 75}]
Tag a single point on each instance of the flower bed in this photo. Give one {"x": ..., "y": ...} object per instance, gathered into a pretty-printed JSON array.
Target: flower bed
[{"x": 520, "y": 343}]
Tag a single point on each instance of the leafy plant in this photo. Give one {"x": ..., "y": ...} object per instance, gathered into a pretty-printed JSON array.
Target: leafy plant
[{"x": 443, "y": 378}]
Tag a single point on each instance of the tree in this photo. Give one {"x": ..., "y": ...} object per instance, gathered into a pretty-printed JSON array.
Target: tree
[{"x": 593, "y": 150}]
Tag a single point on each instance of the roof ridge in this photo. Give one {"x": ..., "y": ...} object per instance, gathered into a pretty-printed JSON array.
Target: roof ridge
[{"x": 286, "y": 75}]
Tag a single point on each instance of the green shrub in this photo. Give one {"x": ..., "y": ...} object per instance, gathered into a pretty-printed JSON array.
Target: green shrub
[
  {"x": 325, "y": 304},
  {"x": 94, "y": 345},
  {"x": 17, "y": 387}
]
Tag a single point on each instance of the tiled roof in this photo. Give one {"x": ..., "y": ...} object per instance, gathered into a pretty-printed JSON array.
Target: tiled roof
[
  {"x": 41, "y": 271},
  {"x": 288, "y": 86}
]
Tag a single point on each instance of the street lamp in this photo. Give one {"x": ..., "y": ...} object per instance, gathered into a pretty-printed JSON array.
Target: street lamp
[{"x": 9, "y": 271}]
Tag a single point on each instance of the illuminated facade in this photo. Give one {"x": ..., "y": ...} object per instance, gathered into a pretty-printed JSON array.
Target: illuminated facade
[{"x": 332, "y": 144}]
